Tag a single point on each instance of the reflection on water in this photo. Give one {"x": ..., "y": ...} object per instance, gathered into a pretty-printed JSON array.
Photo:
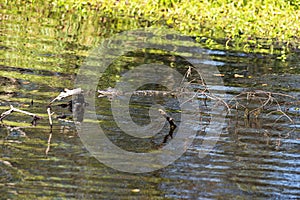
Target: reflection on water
[{"x": 40, "y": 54}]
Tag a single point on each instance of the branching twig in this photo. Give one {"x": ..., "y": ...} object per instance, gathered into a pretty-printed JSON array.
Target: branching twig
[
  {"x": 283, "y": 114},
  {"x": 61, "y": 96},
  {"x": 213, "y": 97},
  {"x": 13, "y": 109},
  {"x": 265, "y": 98}
]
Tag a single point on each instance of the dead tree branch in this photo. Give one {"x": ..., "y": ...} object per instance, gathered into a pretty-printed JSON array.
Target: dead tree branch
[{"x": 66, "y": 93}]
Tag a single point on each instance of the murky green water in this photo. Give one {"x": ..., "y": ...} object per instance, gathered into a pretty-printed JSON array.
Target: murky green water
[{"x": 254, "y": 158}]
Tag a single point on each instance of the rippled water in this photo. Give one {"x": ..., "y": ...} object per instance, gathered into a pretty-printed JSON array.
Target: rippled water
[{"x": 256, "y": 157}]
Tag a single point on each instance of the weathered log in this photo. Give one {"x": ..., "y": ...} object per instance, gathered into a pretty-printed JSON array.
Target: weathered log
[{"x": 112, "y": 92}]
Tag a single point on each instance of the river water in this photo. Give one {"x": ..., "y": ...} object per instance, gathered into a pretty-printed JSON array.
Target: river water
[{"x": 255, "y": 156}]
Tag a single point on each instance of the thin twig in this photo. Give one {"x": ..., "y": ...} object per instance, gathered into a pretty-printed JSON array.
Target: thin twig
[
  {"x": 283, "y": 114},
  {"x": 270, "y": 98},
  {"x": 48, "y": 143},
  {"x": 213, "y": 97},
  {"x": 189, "y": 99},
  {"x": 50, "y": 135},
  {"x": 49, "y": 116}
]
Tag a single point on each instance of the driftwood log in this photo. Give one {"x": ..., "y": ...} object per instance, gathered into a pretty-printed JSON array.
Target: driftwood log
[{"x": 112, "y": 92}]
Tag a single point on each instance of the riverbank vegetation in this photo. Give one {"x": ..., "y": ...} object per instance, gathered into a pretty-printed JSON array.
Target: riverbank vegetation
[{"x": 264, "y": 26}]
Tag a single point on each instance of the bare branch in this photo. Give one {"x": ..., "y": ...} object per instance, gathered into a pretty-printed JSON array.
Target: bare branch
[
  {"x": 66, "y": 93},
  {"x": 13, "y": 109}
]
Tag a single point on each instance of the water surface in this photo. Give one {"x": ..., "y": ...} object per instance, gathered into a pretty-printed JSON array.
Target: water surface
[{"x": 256, "y": 156}]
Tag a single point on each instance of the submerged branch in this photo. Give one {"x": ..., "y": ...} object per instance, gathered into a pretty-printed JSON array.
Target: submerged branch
[
  {"x": 168, "y": 118},
  {"x": 111, "y": 92},
  {"x": 172, "y": 125},
  {"x": 263, "y": 101}
]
